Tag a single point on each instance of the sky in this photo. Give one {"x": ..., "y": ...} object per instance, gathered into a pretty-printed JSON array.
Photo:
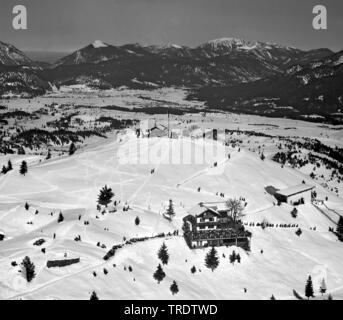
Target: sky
[{"x": 67, "y": 25}]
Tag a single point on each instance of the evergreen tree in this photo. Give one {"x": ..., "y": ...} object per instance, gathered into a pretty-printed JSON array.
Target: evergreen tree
[
  {"x": 323, "y": 287},
  {"x": 137, "y": 221},
  {"x": 340, "y": 225},
  {"x": 309, "y": 288},
  {"x": 170, "y": 210},
  {"x": 29, "y": 269},
  {"x": 9, "y": 165},
  {"x": 163, "y": 254},
  {"x": 272, "y": 297},
  {"x": 23, "y": 168},
  {"x": 4, "y": 170},
  {"x": 94, "y": 296},
  {"x": 212, "y": 260},
  {"x": 233, "y": 257},
  {"x": 174, "y": 288},
  {"x": 27, "y": 207},
  {"x": 48, "y": 156},
  {"x": 238, "y": 258},
  {"x": 72, "y": 149},
  {"x": 105, "y": 196},
  {"x": 193, "y": 270},
  {"x": 159, "y": 274},
  {"x": 60, "y": 218}
]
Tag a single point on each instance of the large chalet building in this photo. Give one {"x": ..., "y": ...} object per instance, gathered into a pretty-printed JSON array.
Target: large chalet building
[{"x": 209, "y": 224}]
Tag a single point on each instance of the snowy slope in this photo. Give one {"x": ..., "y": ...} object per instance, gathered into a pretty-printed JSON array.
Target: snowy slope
[{"x": 71, "y": 185}]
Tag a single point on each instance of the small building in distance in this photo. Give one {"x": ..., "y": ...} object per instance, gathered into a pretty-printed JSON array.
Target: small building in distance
[
  {"x": 150, "y": 129},
  {"x": 299, "y": 194},
  {"x": 158, "y": 131},
  {"x": 211, "y": 225}
]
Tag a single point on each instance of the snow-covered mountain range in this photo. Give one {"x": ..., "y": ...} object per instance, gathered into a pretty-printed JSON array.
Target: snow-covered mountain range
[
  {"x": 213, "y": 66},
  {"x": 304, "y": 89}
]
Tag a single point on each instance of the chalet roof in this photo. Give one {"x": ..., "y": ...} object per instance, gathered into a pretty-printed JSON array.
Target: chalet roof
[
  {"x": 201, "y": 208},
  {"x": 295, "y": 189},
  {"x": 159, "y": 127}
]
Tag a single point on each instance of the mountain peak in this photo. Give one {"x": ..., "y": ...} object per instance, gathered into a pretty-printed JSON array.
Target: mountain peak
[
  {"x": 226, "y": 40},
  {"x": 99, "y": 44},
  {"x": 229, "y": 44},
  {"x": 10, "y": 55}
]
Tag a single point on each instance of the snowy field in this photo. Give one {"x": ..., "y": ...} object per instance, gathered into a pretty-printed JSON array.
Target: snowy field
[{"x": 278, "y": 263}]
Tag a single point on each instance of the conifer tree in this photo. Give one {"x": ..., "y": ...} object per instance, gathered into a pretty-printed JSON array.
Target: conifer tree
[
  {"x": 233, "y": 257},
  {"x": 309, "y": 288},
  {"x": 48, "y": 156},
  {"x": 272, "y": 297},
  {"x": 60, "y": 218},
  {"x": 170, "y": 210},
  {"x": 29, "y": 269},
  {"x": 9, "y": 165},
  {"x": 27, "y": 207},
  {"x": 137, "y": 221},
  {"x": 94, "y": 296},
  {"x": 238, "y": 258},
  {"x": 159, "y": 274},
  {"x": 23, "y": 168},
  {"x": 4, "y": 170},
  {"x": 323, "y": 287},
  {"x": 193, "y": 270},
  {"x": 212, "y": 260},
  {"x": 174, "y": 288},
  {"x": 72, "y": 149},
  {"x": 105, "y": 196},
  {"x": 163, "y": 254}
]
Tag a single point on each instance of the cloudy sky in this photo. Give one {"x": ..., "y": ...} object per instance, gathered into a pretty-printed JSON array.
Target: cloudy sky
[{"x": 66, "y": 25}]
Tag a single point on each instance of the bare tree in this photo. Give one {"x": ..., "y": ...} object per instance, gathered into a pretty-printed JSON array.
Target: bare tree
[{"x": 235, "y": 208}]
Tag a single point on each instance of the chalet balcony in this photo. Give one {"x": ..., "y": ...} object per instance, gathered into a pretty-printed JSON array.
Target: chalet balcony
[
  {"x": 217, "y": 224},
  {"x": 217, "y": 234},
  {"x": 224, "y": 221}
]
